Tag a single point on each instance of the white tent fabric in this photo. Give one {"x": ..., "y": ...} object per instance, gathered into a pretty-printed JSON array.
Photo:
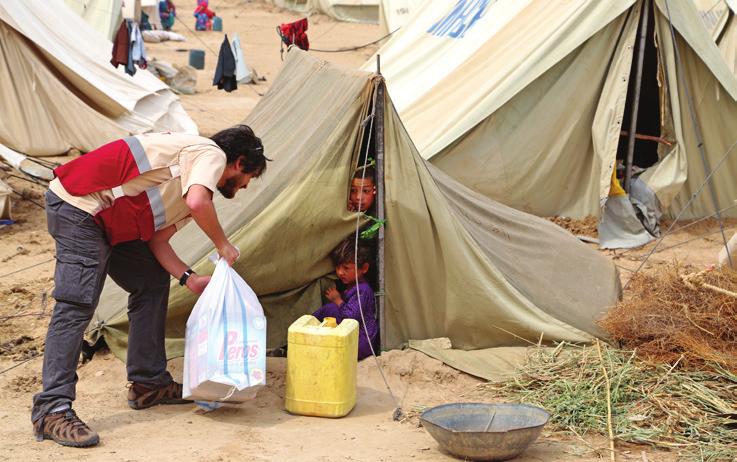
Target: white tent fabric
[
  {"x": 365, "y": 11},
  {"x": 393, "y": 14},
  {"x": 719, "y": 18},
  {"x": 362, "y": 11},
  {"x": 103, "y": 15},
  {"x": 523, "y": 100},
  {"x": 56, "y": 50}
]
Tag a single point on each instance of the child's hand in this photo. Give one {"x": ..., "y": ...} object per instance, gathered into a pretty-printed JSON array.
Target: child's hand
[{"x": 333, "y": 295}]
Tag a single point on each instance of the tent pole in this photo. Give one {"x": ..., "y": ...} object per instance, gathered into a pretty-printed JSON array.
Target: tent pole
[
  {"x": 644, "y": 17},
  {"x": 379, "y": 151}
]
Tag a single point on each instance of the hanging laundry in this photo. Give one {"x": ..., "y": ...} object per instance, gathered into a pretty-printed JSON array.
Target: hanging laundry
[
  {"x": 203, "y": 16},
  {"x": 120, "y": 46},
  {"x": 136, "y": 52},
  {"x": 225, "y": 70},
  {"x": 242, "y": 72},
  {"x": 295, "y": 33}
]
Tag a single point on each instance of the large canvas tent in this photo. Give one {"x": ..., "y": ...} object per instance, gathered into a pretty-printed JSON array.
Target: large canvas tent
[
  {"x": 103, "y": 15},
  {"x": 59, "y": 90},
  {"x": 362, "y": 11},
  {"x": 393, "y": 14},
  {"x": 525, "y": 101},
  {"x": 458, "y": 265},
  {"x": 719, "y": 18}
]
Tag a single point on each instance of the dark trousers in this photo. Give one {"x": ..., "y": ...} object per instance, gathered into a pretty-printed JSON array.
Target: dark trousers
[{"x": 83, "y": 259}]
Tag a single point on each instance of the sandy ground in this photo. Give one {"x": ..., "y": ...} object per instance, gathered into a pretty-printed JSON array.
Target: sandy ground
[{"x": 261, "y": 429}]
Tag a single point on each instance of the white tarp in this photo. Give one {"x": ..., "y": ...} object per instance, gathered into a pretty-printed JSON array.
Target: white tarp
[
  {"x": 393, "y": 14},
  {"x": 103, "y": 15},
  {"x": 64, "y": 68},
  {"x": 719, "y": 18},
  {"x": 364, "y": 11},
  {"x": 523, "y": 100}
]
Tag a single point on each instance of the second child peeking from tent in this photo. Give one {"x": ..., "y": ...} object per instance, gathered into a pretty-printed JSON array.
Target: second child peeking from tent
[
  {"x": 363, "y": 190},
  {"x": 351, "y": 268}
]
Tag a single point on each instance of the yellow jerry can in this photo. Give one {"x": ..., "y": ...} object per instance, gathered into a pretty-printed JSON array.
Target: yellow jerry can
[{"x": 322, "y": 360}]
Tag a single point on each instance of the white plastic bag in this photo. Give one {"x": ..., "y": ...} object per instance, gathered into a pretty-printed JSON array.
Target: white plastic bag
[{"x": 225, "y": 344}]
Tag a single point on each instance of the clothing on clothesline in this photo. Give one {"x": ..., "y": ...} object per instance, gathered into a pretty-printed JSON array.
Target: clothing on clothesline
[
  {"x": 120, "y": 46},
  {"x": 295, "y": 33},
  {"x": 225, "y": 70},
  {"x": 128, "y": 47},
  {"x": 242, "y": 73},
  {"x": 137, "y": 54}
]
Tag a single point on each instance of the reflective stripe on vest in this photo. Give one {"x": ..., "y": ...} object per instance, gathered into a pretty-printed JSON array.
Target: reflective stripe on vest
[{"x": 108, "y": 168}]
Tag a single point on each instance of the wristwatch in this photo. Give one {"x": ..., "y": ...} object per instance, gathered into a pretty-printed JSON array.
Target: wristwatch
[{"x": 185, "y": 276}]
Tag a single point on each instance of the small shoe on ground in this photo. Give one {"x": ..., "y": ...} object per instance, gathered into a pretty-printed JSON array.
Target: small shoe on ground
[
  {"x": 65, "y": 428},
  {"x": 142, "y": 397}
]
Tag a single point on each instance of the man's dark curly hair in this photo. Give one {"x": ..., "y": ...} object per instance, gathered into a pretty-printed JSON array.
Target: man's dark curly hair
[
  {"x": 239, "y": 141},
  {"x": 345, "y": 252}
]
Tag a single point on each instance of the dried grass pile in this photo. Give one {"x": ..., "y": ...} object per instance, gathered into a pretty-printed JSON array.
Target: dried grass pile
[
  {"x": 690, "y": 412},
  {"x": 670, "y": 315}
]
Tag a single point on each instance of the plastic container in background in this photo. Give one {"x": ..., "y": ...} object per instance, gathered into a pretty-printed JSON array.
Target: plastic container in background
[
  {"x": 197, "y": 58},
  {"x": 217, "y": 24},
  {"x": 321, "y": 367}
]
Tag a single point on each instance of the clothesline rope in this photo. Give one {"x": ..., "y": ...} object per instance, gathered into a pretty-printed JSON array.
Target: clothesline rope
[{"x": 358, "y": 47}]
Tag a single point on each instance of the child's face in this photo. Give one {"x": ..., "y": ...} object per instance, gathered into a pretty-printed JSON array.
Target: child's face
[
  {"x": 363, "y": 192},
  {"x": 347, "y": 272}
]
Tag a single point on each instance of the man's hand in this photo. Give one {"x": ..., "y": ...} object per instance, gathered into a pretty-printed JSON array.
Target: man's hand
[
  {"x": 197, "y": 283},
  {"x": 333, "y": 295},
  {"x": 229, "y": 252}
]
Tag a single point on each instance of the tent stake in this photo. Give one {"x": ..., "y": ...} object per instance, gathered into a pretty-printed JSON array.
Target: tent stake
[
  {"x": 636, "y": 102},
  {"x": 379, "y": 151}
]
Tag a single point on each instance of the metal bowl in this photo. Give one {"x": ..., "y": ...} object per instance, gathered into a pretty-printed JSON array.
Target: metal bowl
[{"x": 480, "y": 431}]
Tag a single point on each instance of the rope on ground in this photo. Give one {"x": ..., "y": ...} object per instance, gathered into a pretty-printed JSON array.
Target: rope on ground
[
  {"x": 26, "y": 198},
  {"x": 26, "y": 268},
  {"x": 695, "y": 280},
  {"x": 681, "y": 228},
  {"x": 35, "y": 355},
  {"x": 22, "y": 315},
  {"x": 343, "y": 50},
  {"x": 696, "y": 238}
]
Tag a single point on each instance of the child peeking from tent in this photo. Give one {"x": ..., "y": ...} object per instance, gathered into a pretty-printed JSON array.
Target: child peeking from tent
[
  {"x": 351, "y": 268},
  {"x": 363, "y": 190}
]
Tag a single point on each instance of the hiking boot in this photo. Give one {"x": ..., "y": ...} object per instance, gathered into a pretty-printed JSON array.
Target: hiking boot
[
  {"x": 65, "y": 428},
  {"x": 142, "y": 397}
]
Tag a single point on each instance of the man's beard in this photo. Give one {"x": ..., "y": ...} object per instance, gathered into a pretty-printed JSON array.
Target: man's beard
[{"x": 229, "y": 189}]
